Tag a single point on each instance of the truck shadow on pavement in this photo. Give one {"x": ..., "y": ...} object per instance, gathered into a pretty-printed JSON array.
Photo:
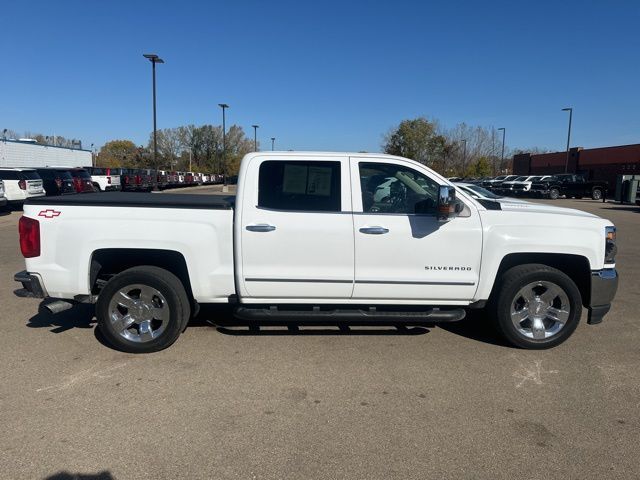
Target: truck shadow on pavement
[
  {"x": 475, "y": 326},
  {"x": 79, "y": 316}
]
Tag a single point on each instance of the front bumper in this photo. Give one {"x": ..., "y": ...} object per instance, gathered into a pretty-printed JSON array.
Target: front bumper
[
  {"x": 31, "y": 285},
  {"x": 604, "y": 285}
]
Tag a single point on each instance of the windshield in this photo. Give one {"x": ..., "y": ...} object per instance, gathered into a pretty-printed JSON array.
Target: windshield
[
  {"x": 520, "y": 179},
  {"x": 483, "y": 192},
  {"x": 534, "y": 179}
]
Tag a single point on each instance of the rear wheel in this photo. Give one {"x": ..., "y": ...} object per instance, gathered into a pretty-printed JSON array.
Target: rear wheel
[
  {"x": 554, "y": 193},
  {"x": 596, "y": 194},
  {"x": 143, "y": 309},
  {"x": 536, "y": 306}
]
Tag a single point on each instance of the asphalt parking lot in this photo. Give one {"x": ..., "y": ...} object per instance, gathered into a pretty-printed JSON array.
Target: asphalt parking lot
[{"x": 367, "y": 403}]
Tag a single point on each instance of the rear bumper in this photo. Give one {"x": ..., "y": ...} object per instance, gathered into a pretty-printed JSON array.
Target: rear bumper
[
  {"x": 112, "y": 188},
  {"x": 604, "y": 285},
  {"x": 3, "y": 202},
  {"x": 31, "y": 285}
]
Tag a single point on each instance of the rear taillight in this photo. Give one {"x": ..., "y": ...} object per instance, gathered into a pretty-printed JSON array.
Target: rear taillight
[
  {"x": 22, "y": 185},
  {"x": 29, "y": 230},
  {"x": 109, "y": 180}
]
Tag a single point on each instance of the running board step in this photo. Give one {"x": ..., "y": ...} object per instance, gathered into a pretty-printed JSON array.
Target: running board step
[{"x": 274, "y": 314}]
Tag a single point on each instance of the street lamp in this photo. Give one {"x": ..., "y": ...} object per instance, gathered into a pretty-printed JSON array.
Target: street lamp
[
  {"x": 570, "y": 110},
  {"x": 273, "y": 140},
  {"x": 224, "y": 106},
  {"x": 153, "y": 58},
  {"x": 504, "y": 133},
  {"x": 255, "y": 137}
]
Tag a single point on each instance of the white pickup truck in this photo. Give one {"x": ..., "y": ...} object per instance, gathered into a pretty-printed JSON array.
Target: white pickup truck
[{"x": 309, "y": 237}]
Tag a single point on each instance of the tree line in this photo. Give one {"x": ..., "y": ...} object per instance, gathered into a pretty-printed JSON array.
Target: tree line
[
  {"x": 464, "y": 150},
  {"x": 189, "y": 147}
]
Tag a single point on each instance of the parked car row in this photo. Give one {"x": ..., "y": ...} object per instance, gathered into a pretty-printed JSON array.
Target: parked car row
[
  {"x": 569, "y": 185},
  {"x": 18, "y": 184},
  {"x": 132, "y": 179}
]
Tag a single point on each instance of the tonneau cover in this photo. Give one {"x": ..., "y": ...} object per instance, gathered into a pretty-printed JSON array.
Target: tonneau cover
[{"x": 143, "y": 200}]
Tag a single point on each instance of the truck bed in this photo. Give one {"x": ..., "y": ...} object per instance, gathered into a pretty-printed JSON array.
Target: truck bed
[{"x": 143, "y": 200}]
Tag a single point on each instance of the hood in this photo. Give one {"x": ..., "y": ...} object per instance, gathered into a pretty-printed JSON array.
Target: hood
[{"x": 540, "y": 208}]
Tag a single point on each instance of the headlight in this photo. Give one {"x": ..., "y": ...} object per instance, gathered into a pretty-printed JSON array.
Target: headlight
[{"x": 610, "y": 248}]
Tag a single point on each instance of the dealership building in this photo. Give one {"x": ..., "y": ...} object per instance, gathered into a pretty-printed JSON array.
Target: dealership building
[
  {"x": 28, "y": 153},
  {"x": 604, "y": 163}
]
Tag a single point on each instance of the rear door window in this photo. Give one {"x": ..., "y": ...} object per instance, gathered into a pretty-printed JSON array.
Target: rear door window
[{"x": 299, "y": 186}]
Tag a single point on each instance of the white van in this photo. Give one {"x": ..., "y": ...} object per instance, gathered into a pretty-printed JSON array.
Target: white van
[{"x": 20, "y": 184}]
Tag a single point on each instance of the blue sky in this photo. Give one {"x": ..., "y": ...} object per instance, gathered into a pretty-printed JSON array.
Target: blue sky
[{"x": 324, "y": 75}]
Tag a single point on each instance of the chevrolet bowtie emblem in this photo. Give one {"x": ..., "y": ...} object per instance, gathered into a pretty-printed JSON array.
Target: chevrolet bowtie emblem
[{"x": 49, "y": 213}]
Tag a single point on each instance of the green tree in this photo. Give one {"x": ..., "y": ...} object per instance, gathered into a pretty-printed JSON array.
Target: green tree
[
  {"x": 120, "y": 153},
  {"x": 416, "y": 139}
]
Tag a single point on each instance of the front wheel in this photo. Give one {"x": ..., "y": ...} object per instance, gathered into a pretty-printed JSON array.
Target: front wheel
[
  {"x": 536, "y": 306},
  {"x": 554, "y": 194},
  {"x": 596, "y": 194},
  {"x": 142, "y": 310}
]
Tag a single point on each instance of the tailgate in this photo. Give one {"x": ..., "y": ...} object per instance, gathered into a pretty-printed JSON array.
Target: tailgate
[
  {"x": 34, "y": 186},
  {"x": 115, "y": 180}
]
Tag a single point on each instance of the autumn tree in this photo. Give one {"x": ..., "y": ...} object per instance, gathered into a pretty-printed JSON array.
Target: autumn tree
[
  {"x": 417, "y": 139},
  {"x": 120, "y": 153}
]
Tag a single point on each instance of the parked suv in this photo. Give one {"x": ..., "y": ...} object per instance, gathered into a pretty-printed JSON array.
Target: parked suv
[
  {"x": 56, "y": 181},
  {"x": 104, "y": 179},
  {"x": 20, "y": 184},
  {"x": 82, "y": 180}
]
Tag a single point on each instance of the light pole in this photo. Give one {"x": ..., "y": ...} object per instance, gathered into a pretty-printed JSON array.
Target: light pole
[
  {"x": 504, "y": 133},
  {"x": 273, "y": 140},
  {"x": 464, "y": 155},
  {"x": 570, "y": 110},
  {"x": 93, "y": 157},
  {"x": 255, "y": 137},
  {"x": 493, "y": 149},
  {"x": 224, "y": 106},
  {"x": 153, "y": 58}
]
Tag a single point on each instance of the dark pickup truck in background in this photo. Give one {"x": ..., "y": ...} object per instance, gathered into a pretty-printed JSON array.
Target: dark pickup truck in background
[{"x": 570, "y": 185}]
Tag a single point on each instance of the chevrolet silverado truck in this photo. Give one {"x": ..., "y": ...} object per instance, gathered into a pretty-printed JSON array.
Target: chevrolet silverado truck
[
  {"x": 569, "y": 185},
  {"x": 308, "y": 238}
]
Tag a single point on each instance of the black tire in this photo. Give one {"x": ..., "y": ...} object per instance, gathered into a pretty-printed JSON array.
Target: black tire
[
  {"x": 162, "y": 281},
  {"x": 503, "y": 298},
  {"x": 596, "y": 194},
  {"x": 554, "y": 194}
]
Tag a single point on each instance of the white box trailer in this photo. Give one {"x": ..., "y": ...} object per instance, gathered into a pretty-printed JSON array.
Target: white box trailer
[{"x": 16, "y": 153}]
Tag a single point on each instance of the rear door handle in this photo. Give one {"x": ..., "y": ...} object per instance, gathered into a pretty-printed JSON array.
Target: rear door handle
[
  {"x": 261, "y": 227},
  {"x": 374, "y": 230}
]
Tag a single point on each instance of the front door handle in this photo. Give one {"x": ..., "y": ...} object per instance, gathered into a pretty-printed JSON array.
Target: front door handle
[
  {"x": 261, "y": 227},
  {"x": 374, "y": 230}
]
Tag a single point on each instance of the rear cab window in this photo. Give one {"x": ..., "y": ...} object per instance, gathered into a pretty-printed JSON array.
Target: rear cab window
[{"x": 30, "y": 175}]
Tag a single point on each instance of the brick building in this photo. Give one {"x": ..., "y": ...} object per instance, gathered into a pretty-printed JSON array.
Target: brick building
[{"x": 604, "y": 163}]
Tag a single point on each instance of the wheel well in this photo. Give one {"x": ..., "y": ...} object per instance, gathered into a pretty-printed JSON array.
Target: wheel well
[
  {"x": 575, "y": 267},
  {"x": 106, "y": 263}
]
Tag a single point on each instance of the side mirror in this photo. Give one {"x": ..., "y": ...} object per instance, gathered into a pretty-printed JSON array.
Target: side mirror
[{"x": 448, "y": 206}]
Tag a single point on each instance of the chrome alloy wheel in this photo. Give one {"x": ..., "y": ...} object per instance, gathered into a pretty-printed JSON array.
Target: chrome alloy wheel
[
  {"x": 139, "y": 313},
  {"x": 540, "y": 310}
]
